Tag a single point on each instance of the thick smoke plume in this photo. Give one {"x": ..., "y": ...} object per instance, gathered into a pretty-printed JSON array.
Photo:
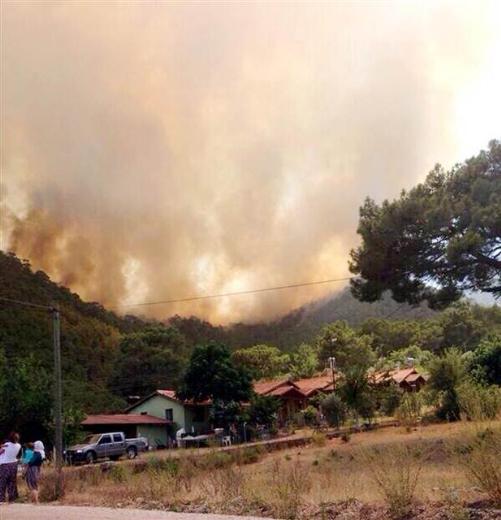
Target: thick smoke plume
[{"x": 153, "y": 150}]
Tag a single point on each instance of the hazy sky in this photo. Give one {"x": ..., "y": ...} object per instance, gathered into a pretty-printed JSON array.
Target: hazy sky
[{"x": 160, "y": 150}]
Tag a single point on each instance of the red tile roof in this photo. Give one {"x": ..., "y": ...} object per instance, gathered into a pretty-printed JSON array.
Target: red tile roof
[
  {"x": 408, "y": 375},
  {"x": 279, "y": 388},
  {"x": 415, "y": 377},
  {"x": 401, "y": 375},
  {"x": 315, "y": 384},
  {"x": 171, "y": 394},
  {"x": 265, "y": 387},
  {"x": 123, "y": 418},
  {"x": 287, "y": 391}
]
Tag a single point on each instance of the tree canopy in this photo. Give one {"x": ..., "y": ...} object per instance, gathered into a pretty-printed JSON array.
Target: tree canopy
[
  {"x": 262, "y": 361},
  {"x": 304, "y": 362},
  {"x": 485, "y": 363},
  {"x": 147, "y": 360},
  {"x": 436, "y": 241},
  {"x": 211, "y": 374},
  {"x": 349, "y": 348}
]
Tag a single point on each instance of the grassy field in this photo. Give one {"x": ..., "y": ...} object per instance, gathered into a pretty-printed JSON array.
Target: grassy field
[{"x": 373, "y": 473}]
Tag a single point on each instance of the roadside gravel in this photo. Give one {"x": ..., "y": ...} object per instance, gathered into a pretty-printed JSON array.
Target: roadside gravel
[{"x": 42, "y": 512}]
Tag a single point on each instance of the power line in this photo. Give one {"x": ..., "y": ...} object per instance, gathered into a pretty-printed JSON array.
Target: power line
[
  {"x": 27, "y": 304},
  {"x": 237, "y": 293}
]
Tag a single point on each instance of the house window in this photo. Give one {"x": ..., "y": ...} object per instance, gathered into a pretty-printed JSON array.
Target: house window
[{"x": 169, "y": 414}]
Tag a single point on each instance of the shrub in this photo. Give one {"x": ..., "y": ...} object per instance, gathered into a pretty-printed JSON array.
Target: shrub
[
  {"x": 263, "y": 410},
  {"x": 118, "y": 473},
  {"x": 215, "y": 460},
  {"x": 169, "y": 465},
  {"x": 310, "y": 414},
  {"x": 390, "y": 399},
  {"x": 455, "y": 509},
  {"x": 288, "y": 488},
  {"x": 335, "y": 410},
  {"x": 249, "y": 455},
  {"x": 481, "y": 459},
  {"x": 485, "y": 363},
  {"x": 447, "y": 373},
  {"x": 478, "y": 402},
  {"x": 396, "y": 474},
  {"x": 318, "y": 439},
  {"x": 90, "y": 475},
  {"x": 51, "y": 487},
  {"x": 226, "y": 484},
  {"x": 409, "y": 411}
]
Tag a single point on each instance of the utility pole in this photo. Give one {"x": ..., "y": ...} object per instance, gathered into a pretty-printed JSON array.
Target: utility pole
[
  {"x": 332, "y": 362},
  {"x": 58, "y": 398},
  {"x": 58, "y": 390}
]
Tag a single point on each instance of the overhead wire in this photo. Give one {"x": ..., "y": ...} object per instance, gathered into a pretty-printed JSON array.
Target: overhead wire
[
  {"x": 27, "y": 304},
  {"x": 238, "y": 293}
]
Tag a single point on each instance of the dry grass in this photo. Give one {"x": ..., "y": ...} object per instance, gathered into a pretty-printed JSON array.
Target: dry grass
[
  {"x": 396, "y": 471},
  {"x": 480, "y": 455},
  {"x": 285, "y": 484}
]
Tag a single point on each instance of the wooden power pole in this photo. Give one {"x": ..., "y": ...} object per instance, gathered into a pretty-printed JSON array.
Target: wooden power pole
[{"x": 58, "y": 398}]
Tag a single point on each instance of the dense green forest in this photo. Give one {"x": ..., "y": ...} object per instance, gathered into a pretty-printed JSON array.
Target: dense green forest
[{"x": 107, "y": 357}]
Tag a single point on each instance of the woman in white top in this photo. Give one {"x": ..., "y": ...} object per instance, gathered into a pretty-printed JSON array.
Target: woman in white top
[{"x": 9, "y": 452}]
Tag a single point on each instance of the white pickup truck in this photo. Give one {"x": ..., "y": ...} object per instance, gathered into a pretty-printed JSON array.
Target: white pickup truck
[{"x": 111, "y": 445}]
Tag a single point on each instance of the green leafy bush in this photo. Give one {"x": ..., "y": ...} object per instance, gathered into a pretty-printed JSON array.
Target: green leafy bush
[
  {"x": 409, "y": 411},
  {"x": 310, "y": 415},
  {"x": 447, "y": 373},
  {"x": 478, "y": 402},
  {"x": 335, "y": 410}
]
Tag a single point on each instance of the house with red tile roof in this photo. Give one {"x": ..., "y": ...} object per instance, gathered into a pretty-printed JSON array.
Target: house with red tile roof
[
  {"x": 294, "y": 395},
  {"x": 315, "y": 385},
  {"x": 409, "y": 379},
  {"x": 291, "y": 397}
]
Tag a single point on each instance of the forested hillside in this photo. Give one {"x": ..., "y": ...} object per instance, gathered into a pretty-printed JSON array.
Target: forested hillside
[
  {"x": 107, "y": 357},
  {"x": 300, "y": 325},
  {"x": 90, "y": 340}
]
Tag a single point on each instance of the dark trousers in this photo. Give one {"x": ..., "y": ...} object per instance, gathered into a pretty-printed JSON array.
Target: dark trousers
[{"x": 8, "y": 481}]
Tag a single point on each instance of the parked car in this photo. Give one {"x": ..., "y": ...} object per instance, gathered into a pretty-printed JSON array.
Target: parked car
[{"x": 111, "y": 445}]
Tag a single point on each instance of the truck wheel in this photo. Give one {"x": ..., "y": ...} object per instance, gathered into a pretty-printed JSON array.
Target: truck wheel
[
  {"x": 90, "y": 457},
  {"x": 131, "y": 452}
]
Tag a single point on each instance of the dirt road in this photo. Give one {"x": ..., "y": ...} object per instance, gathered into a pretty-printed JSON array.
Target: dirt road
[{"x": 29, "y": 512}]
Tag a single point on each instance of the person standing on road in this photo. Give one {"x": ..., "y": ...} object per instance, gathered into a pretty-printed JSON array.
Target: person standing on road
[
  {"x": 33, "y": 471},
  {"x": 9, "y": 453}
]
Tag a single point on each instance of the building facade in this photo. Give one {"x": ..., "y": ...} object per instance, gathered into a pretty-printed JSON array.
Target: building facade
[{"x": 164, "y": 404}]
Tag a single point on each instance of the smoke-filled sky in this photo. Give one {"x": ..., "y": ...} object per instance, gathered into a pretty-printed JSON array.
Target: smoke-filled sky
[{"x": 162, "y": 150}]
